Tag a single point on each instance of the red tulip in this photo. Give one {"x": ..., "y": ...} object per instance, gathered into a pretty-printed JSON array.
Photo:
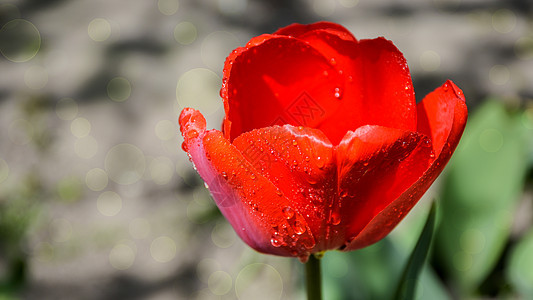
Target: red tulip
[{"x": 323, "y": 145}]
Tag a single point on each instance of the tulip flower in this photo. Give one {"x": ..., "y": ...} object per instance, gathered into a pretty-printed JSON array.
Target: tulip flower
[{"x": 323, "y": 146}]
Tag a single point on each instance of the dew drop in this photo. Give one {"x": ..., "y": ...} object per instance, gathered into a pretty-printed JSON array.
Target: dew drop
[
  {"x": 319, "y": 162},
  {"x": 275, "y": 241},
  {"x": 344, "y": 193},
  {"x": 326, "y": 73},
  {"x": 288, "y": 212},
  {"x": 365, "y": 164},
  {"x": 192, "y": 134},
  {"x": 279, "y": 193},
  {"x": 224, "y": 175},
  {"x": 298, "y": 227},
  {"x": 300, "y": 128},
  {"x": 295, "y": 163},
  {"x": 432, "y": 154},
  {"x": 294, "y": 143},
  {"x": 252, "y": 176},
  {"x": 308, "y": 242},
  {"x": 350, "y": 78},
  {"x": 306, "y": 158},
  {"x": 206, "y": 185},
  {"x": 184, "y": 147},
  {"x": 332, "y": 61},
  {"x": 338, "y": 93},
  {"x": 335, "y": 218},
  {"x": 255, "y": 207}
]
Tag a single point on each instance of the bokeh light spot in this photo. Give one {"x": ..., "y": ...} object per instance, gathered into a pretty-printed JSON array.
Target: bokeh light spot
[
  {"x": 109, "y": 203},
  {"x": 166, "y": 130},
  {"x": 4, "y": 170},
  {"x": 44, "y": 252},
  {"x": 70, "y": 188},
  {"x": 219, "y": 283},
  {"x": 139, "y": 228},
  {"x": 499, "y": 74},
  {"x": 527, "y": 119},
  {"x": 168, "y": 7},
  {"x": 491, "y": 140},
  {"x": 36, "y": 77},
  {"x": 472, "y": 241},
  {"x": 122, "y": 257},
  {"x": 223, "y": 235},
  {"x": 20, "y": 132},
  {"x": 163, "y": 249},
  {"x": 125, "y": 164},
  {"x": 524, "y": 48},
  {"x": 185, "y": 33},
  {"x": 258, "y": 279},
  {"x": 80, "y": 127},
  {"x": 96, "y": 179},
  {"x": 462, "y": 261},
  {"x": 99, "y": 29},
  {"x": 216, "y": 47},
  {"x": 199, "y": 88},
  {"x": 119, "y": 89},
  {"x": 161, "y": 170},
  {"x": 348, "y": 3},
  {"x": 66, "y": 109},
  {"x": 19, "y": 40},
  {"x": 205, "y": 268},
  {"x": 503, "y": 20},
  {"x": 430, "y": 61},
  {"x": 86, "y": 147},
  {"x": 61, "y": 230},
  {"x": 324, "y": 8}
]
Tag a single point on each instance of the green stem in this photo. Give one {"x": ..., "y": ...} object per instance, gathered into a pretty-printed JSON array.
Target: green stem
[{"x": 313, "y": 278}]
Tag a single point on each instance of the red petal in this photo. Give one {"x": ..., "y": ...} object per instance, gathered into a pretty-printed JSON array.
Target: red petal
[
  {"x": 277, "y": 80},
  {"x": 248, "y": 200},
  {"x": 442, "y": 115},
  {"x": 300, "y": 162},
  {"x": 375, "y": 166},
  {"x": 367, "y": 82}
]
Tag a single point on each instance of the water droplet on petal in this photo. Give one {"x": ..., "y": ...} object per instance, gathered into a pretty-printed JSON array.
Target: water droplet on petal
[
  {"x": 224, "y": 175},
  {"x": 276, "y": 240},
  {"x": 294, "y": 143},
  {"x": 184, "y": 147},
  {"x": 332, "y": 61},
  {"x": 300, "y": 128},
  {"x": 206, "y": 185},
  {"x": 288, "y": 212},
  {"x": 192, "y": 134},
  {"x": 298, "y": 227},
  {"x": 252, "y": 176},
  {"x": 319, "y": 162},
  {"x": 338, "y": 93},
  {"x": 335, "y": 218}
]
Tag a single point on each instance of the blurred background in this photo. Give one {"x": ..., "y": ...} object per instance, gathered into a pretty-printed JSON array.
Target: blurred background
[{"x": 98, "y": 201}]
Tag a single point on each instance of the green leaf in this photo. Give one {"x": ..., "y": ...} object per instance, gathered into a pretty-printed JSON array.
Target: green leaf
[
  {"x": 408, "y": 283},
  {"x": 520, "y": 270},
  {"x": 480, "y": 194}
]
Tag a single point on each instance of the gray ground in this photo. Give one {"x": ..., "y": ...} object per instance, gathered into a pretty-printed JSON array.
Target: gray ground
[{"x": 88, "y": 131}]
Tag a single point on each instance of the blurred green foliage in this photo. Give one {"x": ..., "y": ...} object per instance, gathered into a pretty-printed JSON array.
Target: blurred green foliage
[{"x": 18, "y": 209}]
